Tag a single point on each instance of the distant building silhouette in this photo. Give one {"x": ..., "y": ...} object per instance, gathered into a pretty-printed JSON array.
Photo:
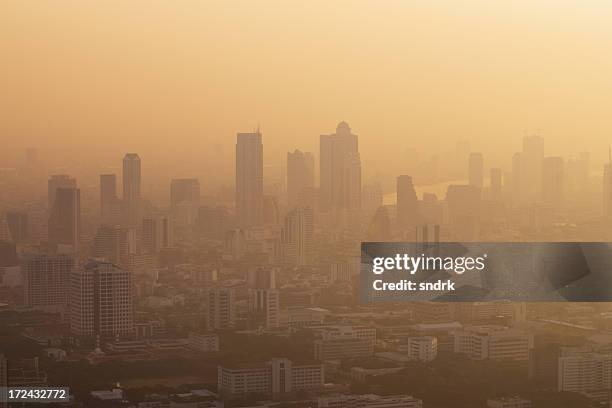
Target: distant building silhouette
[
  {"x": 157, "y": 233},
  {"x": 132, "y": 188},
  {"x": 249, "y": 179},
  {"x": 340, "y": 170},
  {"x": 407, "y": 203},
  {"x": 221, "y": 303},
  {"x": 65, "y": 218},
  {"x": 17, "y": 223},
  {"x": 55, "y": 182},
  {"x": 298, "y": 237}
]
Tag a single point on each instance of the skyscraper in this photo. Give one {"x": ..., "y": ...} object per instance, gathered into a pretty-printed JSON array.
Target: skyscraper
[
  {"x": 101, "y": 301},
  {"x": 300, "y": 178},
  {"x": 45, "y": 279},
  {"x": 476, "y": 170},
  {"x": 221, "y": 308},
  {"x": 553, "y": 182},
  {"x": 131, "y": 188},
  {"x": 55, "y": 182},
  {"x": 249, "y": 179},
  {"x": 65, "y": 219},
  {"x": 17, "y": 223},
  {"x": 340, "y": 169},
  {"x": 407, "y": 203},
  {"x": 157, "y": 233},
  {"x": 298, "y": 237}
]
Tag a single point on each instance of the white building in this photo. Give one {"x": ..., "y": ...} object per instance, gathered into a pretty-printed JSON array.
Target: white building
[
  {"x": 101, "y": 301},
  {"x": 494, "y": 343},
  {"x": 589, "y": 374},
  {"x": 278, "y": 376}
]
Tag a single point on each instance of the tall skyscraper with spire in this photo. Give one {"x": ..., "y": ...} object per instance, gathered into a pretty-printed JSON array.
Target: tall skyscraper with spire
[
  {"x": 131, "y": 188},
  {"x": 340, "y": 170},
  {"x": 249, "y": 179}
]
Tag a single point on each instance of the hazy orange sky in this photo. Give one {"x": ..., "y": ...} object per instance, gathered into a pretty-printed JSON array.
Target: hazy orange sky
[{"x": 178, "y": 79}]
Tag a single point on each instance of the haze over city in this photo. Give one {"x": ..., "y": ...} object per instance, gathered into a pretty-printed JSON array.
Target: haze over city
[
  {"x": 176, "y": 81},
  {"x": 348, "y": 204}
]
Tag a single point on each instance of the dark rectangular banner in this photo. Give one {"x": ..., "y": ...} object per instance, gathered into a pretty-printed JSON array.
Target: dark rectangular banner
[{"x": 480, "y": 272}]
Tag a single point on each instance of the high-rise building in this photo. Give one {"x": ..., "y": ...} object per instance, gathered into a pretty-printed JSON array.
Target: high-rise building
[
  {"x": 221, "y": 308},
  {"x": 476, "y": 170},
  {"x": 17, "y": 223},
  {"x": 46, "y": 280},
  {"x": 340, "y": 169},
  {"x": 55, "y": 182},
  {"x": 264, "y": 307},
  {"x": 101, "y": 301},
  {"x": 65, "y": 218},
  {"x": 407, "y": 203},
  {"x": 249, "y": 179},
  {"x": 297, "y": 237},
  {"x": 300, "y": 178},
  {"x": 107, "y": 244},
  {"x": 132, "y": 188},
  {"x": 157, "y": 233},
  {"x": 553, "y": 182}
]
